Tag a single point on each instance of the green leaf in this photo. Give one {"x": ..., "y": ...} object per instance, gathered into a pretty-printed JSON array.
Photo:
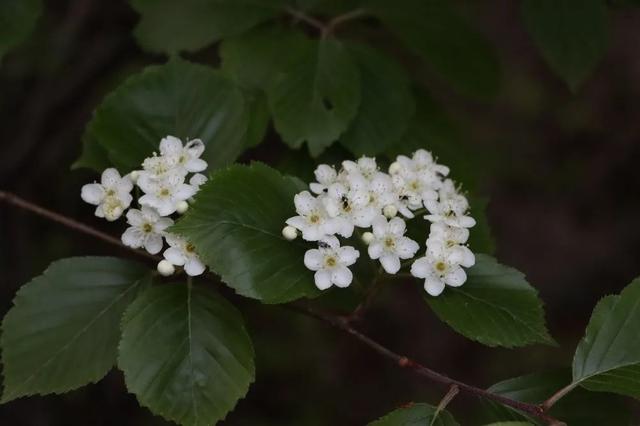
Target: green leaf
[
  {"x": 170, "y": 26},
  {"x": 608, "y": 357},
  {"x": 180, "y": 99},
  {"x": 571, "y": 35},
  {"x": 254, "y": 59},
  {"x": 510, "y": 424},
  {"x": 386, "y": 105},
  {"x": 436, "y": 32},
  {"x": 416, "y": 415},
  {"x": 580, "y": 407},
  {"x": 236, "y": 227},
  {"x": 17, "y": 20},
  {"x": 496, "y": 306},
  {"x": 185, "y": 354},
  {"x": 315, "y": 98},
  {"x": 93, "y": 155},
  {"x": 64, "y": 327}
]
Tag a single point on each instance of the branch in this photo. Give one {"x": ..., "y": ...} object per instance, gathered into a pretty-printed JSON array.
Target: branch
[
  {"x": 341, "y": 323},
  {"x": 404, "y": 362},
  {"x": 301, "y": 16},
  {"x": 23, "y": 204}
]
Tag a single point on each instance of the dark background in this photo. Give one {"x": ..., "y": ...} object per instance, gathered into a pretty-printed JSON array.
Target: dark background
[{"x": 561, "y": 173}]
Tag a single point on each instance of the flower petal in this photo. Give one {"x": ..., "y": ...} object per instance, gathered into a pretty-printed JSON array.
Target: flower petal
[
  {"x": 153, "y": 243},
  {"x": 133, "y": 237},
  {"x": 341, "y": 276},
  {"x": 175, "y": 256},
  {"x": 322, "y": 279},
  {"x": 379, "y": 226},
  {"x": 305, "y": 203},
  {"x": 194, "y": 267},
  {"x": 397, "y": 226},
  {"x": 375, "y": 250},
  {"x": 455, "y": 277},
  {"x": 421, "y": 268},
  {"x": 390, "y": 263},
  {"x": 313, "y": 259},
  {"x": 406, "y": 248},
  {"x": 170, "y": 145},
  {"x": 110, "y": 177},
  {"x": 348, "y": 255},
  {"x": 92, "y": 193},
  {"x": 433, "y": 285}
]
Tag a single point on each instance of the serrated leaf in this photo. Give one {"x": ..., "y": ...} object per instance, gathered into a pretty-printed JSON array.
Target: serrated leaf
[
  {"x": 580, "y": 407},
  {"x": 17, "y": 20},
  {"x": 608, "y": 357},
  {"x": 570, "y": 34},
  {"x": 179, "y": 98},
  {"x": 236, "y": 227},
  {"x": 170, "y": 26},
  {"x": 495, "y": 306},
  {"x": 64, "y": 327},
  {"x": 416, "y": 415},
  {"x": 186, "y": 354},
  {"x": 437, "y": 33},
  {"x": 386, "y": 103},
  {"x": 315, "y": 98}
]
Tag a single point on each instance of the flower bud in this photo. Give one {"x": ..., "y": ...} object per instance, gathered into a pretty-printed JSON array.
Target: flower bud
[
  {"x": 390, "y": 211},
  {"x": 367, "y": 237},
  {"x": 166, "y": 268},
  {"x": 182, "y": 207},
  {"x": 395, "y": 168},
  {"x": 134, "y": 175},
  {"x": 290, "y": 233}
]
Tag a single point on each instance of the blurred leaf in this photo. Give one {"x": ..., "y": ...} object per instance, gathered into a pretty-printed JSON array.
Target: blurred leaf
[
  {"x": 173, "y": 26},
  {"x": 571, "y": 35},
  {"x": 416, "y": 415},
  {"x": 510, "y": 424},
  {"x": 436, "y": 32},
  {"x": 179, "y": 98},
  {"x": 185, "y": 354},
  {"x": 258, "y": 117},
  {"x": 496, "y": 306},
  {"x": 64, "y": 327},
  {"x": 608, "y": 357},
  {"x": 317, "y": 96},
  {"x": 328, "y": 7},
  {"x": 386, "y": 103},
  {"x": 480, "y": 238},
  {"x": 17, "y": 19},
  {"x": 254, "y": 59},
  {"x": 580, "y": 407},
  {"x": 236, "y": 227}
]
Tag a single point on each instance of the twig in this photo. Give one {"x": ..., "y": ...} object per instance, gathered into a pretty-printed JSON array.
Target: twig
[
  {"x": 420, "y": 370},
  {"x": 341, "y": 323},
  {"x": 341, "y": 19},
  {"x": 301, "y": 16},
  {"x": 14, "y": 200}
]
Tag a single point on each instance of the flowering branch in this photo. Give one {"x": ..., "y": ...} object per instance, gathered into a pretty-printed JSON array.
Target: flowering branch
[{"x": 339, "y": 322}]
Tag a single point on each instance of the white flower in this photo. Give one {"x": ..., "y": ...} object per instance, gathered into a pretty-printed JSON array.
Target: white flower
[
  {"x": 365, "y": 167},
  {"x": 440, "y": 231},
  {"x": 326, "y": 176},
  {"x": 187, "y": 157},
  {"x": 160, "y": 167},
  {"x": 443, "y": 266},
  {"x": 330, "y": 261},
  {"x": 146, "y": 230},
  {"x": 389, "y": 243},
  {"x": 183, "y": 253},
  {"x": 112, "y": 195},
  {"x": 197, "y": 180},
  {"x": 450, "y": 207},
  {"x": 351, "y": 207},
  {"x": 313, "y": 220},
  {"x": 164, "y": 194}
]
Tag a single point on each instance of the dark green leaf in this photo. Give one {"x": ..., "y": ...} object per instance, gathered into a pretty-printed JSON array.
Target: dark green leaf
[
  {"x": 186, "y": 354},
  {"x": 64, "y": 327},
  {"x": 496, "y": 306},
  {"x": 580, "y": 407},
  {"x": 93, "y": 156},
  {"x": 436, "y": 32},
  {"x": 416, "y": 415},
  {"x": 315, "y": 98},
  {"x": 172, "y": 26},
  {"x": 254, "y": 59},
  {"x": 236, "y": 227},
  {"x": 180, "y": 99},
  {"x": 17, "y": 20},
  {"x": 608, "y": 357},
  {"x": 510, "y": 424},
  {"x": 386, "y": 105},
  {"x": 571, "y": 34}
]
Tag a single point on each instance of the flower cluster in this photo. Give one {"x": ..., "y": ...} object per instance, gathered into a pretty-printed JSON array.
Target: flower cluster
[
  {"x": 167, "y": 181},
  {"x": 360, "y": 195}
]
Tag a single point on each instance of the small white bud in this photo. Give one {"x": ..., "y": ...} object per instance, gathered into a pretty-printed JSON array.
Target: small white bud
[
  {"x": 390, "y": 211},
  {"x": 290, "y": 233},
  {"x": 367, "y": 237},
  {"x": 395, "y": 168},
  {"x": 182, "y": 207},
  {"x": 165, "y": 268},
  {"x": 134, "y": 175}
]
